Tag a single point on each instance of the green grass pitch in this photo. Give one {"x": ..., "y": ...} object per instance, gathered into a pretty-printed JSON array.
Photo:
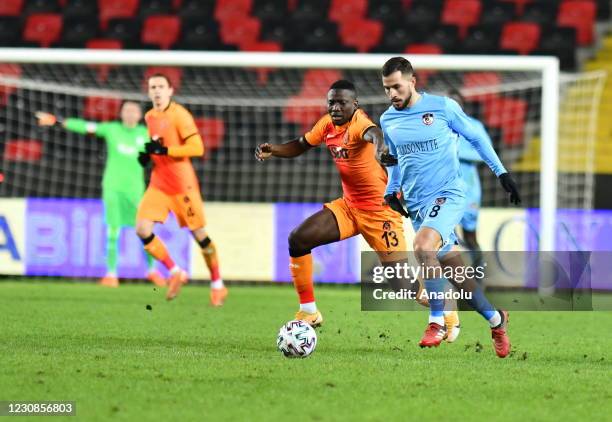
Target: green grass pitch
[{"x": 186, "y": 361}]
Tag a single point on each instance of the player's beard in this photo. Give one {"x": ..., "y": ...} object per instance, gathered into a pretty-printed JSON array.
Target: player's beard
[{"x": 405, "y": 103}]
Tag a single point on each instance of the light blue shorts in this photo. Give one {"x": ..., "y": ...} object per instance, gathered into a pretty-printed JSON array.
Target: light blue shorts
[{"x": 442, "y": 214}]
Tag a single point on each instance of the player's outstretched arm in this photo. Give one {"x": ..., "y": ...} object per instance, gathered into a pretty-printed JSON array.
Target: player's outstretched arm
[
  {"x": 71, "y": 124},
  {"x": 287, "y": 150}
]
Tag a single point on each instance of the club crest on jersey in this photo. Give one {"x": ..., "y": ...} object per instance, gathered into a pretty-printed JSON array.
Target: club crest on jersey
[
  {"x": 386, "y": 226},
  {"x": 440, "y": 201},
  {"x": 428, "y": 118}
]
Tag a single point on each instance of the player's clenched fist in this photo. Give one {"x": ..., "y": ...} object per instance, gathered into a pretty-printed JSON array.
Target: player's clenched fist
[
  {"x": 263, "y": 151},
  {"x": 154, "y": 146},
  {"x": 45, "y": 119}
]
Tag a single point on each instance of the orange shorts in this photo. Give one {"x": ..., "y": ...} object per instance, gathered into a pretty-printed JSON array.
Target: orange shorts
[
  {"x": 383, "y": 230},
  {"x": 186, "y": 207}
]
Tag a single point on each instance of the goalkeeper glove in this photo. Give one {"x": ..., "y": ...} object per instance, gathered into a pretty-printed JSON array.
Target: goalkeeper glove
[
  {"x": 144, "y": 158},
  {"x": 509, "y": 186},
  {"x": 155, "y": 147},
  {"x": 393, "y": 201}
]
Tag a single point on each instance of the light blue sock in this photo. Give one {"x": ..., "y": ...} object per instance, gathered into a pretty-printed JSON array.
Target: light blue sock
[
  {"x": 436, "y": 306},
  {"x": 481, "y": 305}
]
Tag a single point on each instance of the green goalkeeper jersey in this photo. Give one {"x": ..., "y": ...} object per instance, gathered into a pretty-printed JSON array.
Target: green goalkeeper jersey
[{"x": 122, "y": 171}]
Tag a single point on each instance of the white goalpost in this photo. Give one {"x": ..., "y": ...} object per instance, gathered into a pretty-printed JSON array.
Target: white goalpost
[{"x": 543, "y": 96}]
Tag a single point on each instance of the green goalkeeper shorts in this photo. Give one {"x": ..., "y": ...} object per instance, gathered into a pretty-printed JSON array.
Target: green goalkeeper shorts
[{"x": 120, "y": 208}]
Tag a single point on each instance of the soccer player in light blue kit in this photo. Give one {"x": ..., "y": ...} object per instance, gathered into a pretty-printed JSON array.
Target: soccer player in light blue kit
[
  {"x": 469, "y": 159},
  {"x": 421, "y": 131}
]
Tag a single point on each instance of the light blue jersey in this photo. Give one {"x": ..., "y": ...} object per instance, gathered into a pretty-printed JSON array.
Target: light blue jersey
[
  {"x": 424, "y": 140},
  {"x": 468, "y": 168}
]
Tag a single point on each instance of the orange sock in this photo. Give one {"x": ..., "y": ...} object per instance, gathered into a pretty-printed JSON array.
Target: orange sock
[
  {"x": 212, "y": 261},
  {"x": 158, "y": 250},
  {"x": 301, "y": 273}
]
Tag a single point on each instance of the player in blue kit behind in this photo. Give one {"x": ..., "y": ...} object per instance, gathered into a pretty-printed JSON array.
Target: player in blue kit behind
[
  {"x": 421, "y": 131},
  {"x": 469, "y": 159}
]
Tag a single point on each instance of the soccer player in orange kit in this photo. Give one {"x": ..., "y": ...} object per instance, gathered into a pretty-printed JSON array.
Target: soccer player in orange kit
[{"x": 174, "y": 186}]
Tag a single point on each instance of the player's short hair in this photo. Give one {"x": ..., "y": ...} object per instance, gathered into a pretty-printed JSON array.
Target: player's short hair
[
  {"x": 454, "y": 92},
  {"x": 344, "y": 84},
  {"x": 124, "y": 102},
  {"x": 161, "y": 75},
  {"x": 397, "y": 63}
]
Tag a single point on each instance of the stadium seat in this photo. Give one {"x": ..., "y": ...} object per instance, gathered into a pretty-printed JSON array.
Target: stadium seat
[
  {"x": 560, "y": 42},
  {"x": 42, "y": 29},
  {"x": 520, "y": 37},
  {"x": 8, "y": 70},
  {"x": 23, "y": 150},
  {"x": 155, "y": 7},
  {"x": 80, "y": 8},
  {"x": 318, "y": 81},
  {"x": 212, "y": 131},
  {"x": 199, "y": 34},
  {"x": 423, "y": 49},
  {"x": 603, "y": 10},
  {"x": 161, "y": 30},
  {"x": 422, "y": 17},
  {"x": 40, "y": 6},
  {"x": 270, "y": 10},
  {"x": 10, "y": 31},
  {"x": 197, "y": 9},
  {"x": 277, "y": 31},
  {"x": 11, "y": 7},
  {"x": 445, "y": 36},
  {"x": 76, "y": 31},
  {"x": 175, "y": 74},
  {"x": 268, "y": 46},
  {"x": 461, "y": 13},
  {"x": 480, "y": 79},
  {"x": 231, "y": 9},
  {"x": 103, "y": 70},
  {"x": 519, "y": 5},
  {"x": 481, "y": 40},
  {"x": 315, "y": 85},
  {"x": 360, "y": 34},
  {"x": 544, "y": 14},
  {"x": 508, "y": 114},
  {"x": 341, "y": 10},
  {"x": 104, "y": 44},
  {"x": 390, "y": 12},
  {"x": 395, "y": 39},
  {"x": 318, "y": 36},
  {"x": 113, "y": 9},
  {"x": 101, "y": 108},
  {"x": 255, "y": 45},
  {"x": 126, "y": 30},
  {"x": 579, "y": 14},
  {"x": 496, "y": 14},
  {"x": 310, "y": 11},
  {"x": 239, "y": 30}
]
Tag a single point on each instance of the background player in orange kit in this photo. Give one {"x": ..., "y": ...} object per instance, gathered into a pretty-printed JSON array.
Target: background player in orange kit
[
  {"x": 353, "y": 141},
  {"x": 174, "y": 186}
]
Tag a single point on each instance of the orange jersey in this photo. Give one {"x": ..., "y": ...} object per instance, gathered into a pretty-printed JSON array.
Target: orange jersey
[
  {"x": 363, "y": 179},
  {"x": 173, "y": 173}
]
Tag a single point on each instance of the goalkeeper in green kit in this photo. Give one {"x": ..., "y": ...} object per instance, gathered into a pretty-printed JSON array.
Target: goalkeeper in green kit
[{"x": 123, "y": 182}]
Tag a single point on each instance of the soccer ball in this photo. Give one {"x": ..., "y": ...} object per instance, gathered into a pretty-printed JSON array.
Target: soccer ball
[{"x": 296, "y": 339}]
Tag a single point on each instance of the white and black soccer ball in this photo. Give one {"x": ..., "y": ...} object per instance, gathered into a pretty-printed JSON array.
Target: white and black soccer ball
[{"x": 296, "y": 339}]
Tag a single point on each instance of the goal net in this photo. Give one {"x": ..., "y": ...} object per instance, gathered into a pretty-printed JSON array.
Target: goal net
[{"x": 240, "y": 104}]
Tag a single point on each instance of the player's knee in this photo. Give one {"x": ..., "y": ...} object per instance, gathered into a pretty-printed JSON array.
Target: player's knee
[
  {"x": 298, "y": 244},
  {"x": 143, "y": 231},
  {"x": 424, "y": 250}
]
